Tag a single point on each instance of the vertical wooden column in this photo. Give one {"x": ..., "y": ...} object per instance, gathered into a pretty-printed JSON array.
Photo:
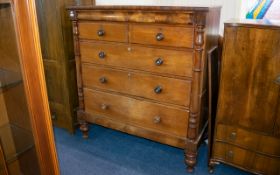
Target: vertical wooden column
[
  {"x": 192, "y": 142},
  {"x": 80, "y": 111}
]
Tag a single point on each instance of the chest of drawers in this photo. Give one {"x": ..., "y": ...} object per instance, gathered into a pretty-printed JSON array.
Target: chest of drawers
[
  {"x": 141, "y": 70},
  {"x": 248, "y": 114}
]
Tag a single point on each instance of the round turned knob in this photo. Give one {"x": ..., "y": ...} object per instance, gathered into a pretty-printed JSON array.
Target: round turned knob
[
  {"x": 103, "y": 80},
  {"x": 159, "y": 61},
  {"x": 104, "y": 106},
  {"x": 233, "y": 135},
  {"x": 101, "y": 54},
  {"x": 158, "y": 89},
  {"x": 230, "y": 154},
  {"x": 277, "y": 81},
  {"x": 100, "y": 32},
  {"x": 157, "y": 119},
  {"x": 159, "y": 37}
]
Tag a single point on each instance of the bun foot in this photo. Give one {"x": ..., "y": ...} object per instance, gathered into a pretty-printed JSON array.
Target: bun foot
[
  {"x": 190, "y": 169},
  {"x": 84, "y": 128}
]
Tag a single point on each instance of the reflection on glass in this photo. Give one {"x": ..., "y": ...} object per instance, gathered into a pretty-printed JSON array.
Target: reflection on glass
[{"x": 17, "y": 149}]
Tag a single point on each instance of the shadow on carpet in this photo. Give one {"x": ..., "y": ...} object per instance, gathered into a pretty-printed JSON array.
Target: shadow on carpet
[{"x": 109, "y": 152}]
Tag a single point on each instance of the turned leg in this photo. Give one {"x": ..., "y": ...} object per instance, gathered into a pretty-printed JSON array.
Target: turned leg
[
  {"x": 190, "y": 160},
  {"x": 211, "y": 166},
  {"x": 84, "y": 128}
]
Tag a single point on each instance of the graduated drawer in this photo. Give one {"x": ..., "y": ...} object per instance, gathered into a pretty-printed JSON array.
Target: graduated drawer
[
  {"x": 162, "y": 35},
  {"x": 156, "y": 60},
  {"x": 159, "y": 88},
  {"x": 169, "y": 120},
  {"x": 247, "y": 139},
  {"x": 103, "y": 31},
  {"x": 249, "y": 160}
]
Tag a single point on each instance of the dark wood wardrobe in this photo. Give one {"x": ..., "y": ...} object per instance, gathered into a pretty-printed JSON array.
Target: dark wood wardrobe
[{"x": 59, "y": 61}]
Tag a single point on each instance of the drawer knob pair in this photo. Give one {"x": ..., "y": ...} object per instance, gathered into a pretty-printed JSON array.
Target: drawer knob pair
[
  {"x": 103, "y": 80},
  {"x": 158, "y": 89},
  {"x": 101, "y": 54},
  {"x": 159, "y": 61},
  {"x": 159, "y": 37},
  {"x": 100, "y": 32},
  {"x": 157, "y": 119}
]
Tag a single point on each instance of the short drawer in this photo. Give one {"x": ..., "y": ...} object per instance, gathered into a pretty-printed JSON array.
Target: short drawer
[
  {"x": 103, "y": 31},
  {"x": 159, "y": 88},
  {"x": 246, "y": 159},
  {"x": 166, "y": 119},
  {"x": 164, "y": 61},
  {"x": 162, "y": 35},
  {"x": 254, "y": 141}
]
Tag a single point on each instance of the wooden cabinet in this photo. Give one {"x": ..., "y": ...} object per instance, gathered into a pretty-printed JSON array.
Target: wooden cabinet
[
  {"x": 247, "y": 122},
  {"x": 59, "y": 60},
  {"x": 26, "y": 138},
  {"x": 141, "y": 70}
]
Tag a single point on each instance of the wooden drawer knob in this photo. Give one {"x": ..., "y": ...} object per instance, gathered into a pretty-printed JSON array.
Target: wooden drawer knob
[
  {"x": 100, "y": 32},
  {"x": 232, "y": 135},
  {"x": 104, "y": 106},
  {"x": 158, "y": 89},
  {"x": 101, "y": 54},
  {"x": 230, "y": 154},
  {"x": 159, "y": 37},
  {"x": 159, "y": 61},
  {"x": 103, "y": 80},
  {"x": 157, "y": 119},
  {"x": 277, "y": 81}
]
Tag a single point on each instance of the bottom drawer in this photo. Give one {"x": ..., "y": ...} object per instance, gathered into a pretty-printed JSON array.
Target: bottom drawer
[
  {"x": 142, "y": 113},
  {"x": 245, "y": 159}
]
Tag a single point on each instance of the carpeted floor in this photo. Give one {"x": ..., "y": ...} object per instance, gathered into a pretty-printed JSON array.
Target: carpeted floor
[{"x": 109, "y": 152}]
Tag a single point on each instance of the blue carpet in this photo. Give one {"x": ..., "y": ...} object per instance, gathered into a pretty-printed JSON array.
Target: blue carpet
[{"x": 109, "y": 152}]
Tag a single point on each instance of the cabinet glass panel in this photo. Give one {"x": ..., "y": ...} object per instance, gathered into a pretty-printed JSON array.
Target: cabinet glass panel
[{"x": 17, "y": 149}]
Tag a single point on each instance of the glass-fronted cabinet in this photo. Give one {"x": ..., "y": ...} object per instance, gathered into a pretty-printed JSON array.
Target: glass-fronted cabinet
[
  {"x": 16, "y": 136},
  {"x": 19, "y": 155}
]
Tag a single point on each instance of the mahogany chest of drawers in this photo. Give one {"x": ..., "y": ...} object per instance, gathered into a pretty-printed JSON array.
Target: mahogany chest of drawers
[
  {"x": 141, "y": 70},
  {"x": 247, "y": 131}
]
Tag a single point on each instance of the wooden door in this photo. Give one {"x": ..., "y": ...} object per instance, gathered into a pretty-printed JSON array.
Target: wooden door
[{"x": 250, "y": 66}]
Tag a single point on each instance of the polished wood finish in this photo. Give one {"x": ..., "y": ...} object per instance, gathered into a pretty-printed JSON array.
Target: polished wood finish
[
  {"x": 23, "y": 57},
  {"x": 249, "y": 97},
  {"x": 147, "y": 77},
  {"x": 108, "y": 31},
  {"x": 175, "y": 62},
  {"x": 171, "y": 36},
  {"x": 138, "y": 84},
  {"x": 59, "y": 61},
  {"x": 3, "y": 166},
  {"x": 247, "y": 160},
  {"x": 129, "y": 110}
]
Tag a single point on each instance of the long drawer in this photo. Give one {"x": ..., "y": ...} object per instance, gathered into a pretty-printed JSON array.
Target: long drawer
[
  {"x": 166, "y": 119},
  {"x": 156, "y": 60},
  {"x": 247, "y": 159},
  {"x": 248, "y": 139},
  {"x": 140, "y": 84},
  {"x": 162, "y": 35}
]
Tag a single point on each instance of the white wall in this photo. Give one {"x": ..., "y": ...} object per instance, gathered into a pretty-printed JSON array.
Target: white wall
[{"x": 230, "y": 8}]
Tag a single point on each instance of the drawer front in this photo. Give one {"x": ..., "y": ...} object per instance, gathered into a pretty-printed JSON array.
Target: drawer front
[
  {"x": 246, "y": 159},
  {"x": 162, "y": 35},
  {"x": 140, "y": 84},
  {"x": 137, "y": 112},
  {"x": 247, "y": 139},
  {"x": 103, "y": 31},
  {"x": 137, "y": 57}
]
